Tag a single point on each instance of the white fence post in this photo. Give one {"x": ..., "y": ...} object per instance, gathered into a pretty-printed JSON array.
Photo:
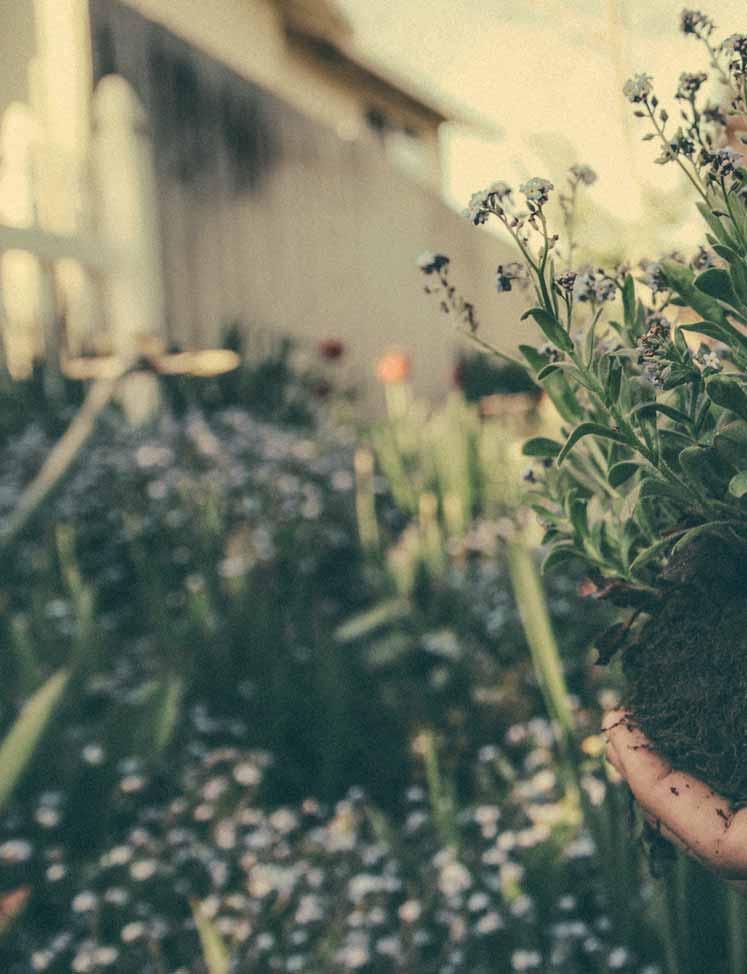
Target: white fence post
[
  {"x": 26, "y": 281},
  {"x": 127, "y": 212}
]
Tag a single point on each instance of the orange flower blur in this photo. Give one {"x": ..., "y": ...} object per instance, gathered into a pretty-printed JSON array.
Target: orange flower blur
[{"x": 393, "y": 367}]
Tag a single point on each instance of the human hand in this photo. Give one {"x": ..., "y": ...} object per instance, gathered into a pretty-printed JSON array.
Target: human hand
[{"x": 682, "y": 809}]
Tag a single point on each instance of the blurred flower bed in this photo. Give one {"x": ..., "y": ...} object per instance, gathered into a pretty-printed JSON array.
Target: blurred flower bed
[{"x": 302, "y": 730}]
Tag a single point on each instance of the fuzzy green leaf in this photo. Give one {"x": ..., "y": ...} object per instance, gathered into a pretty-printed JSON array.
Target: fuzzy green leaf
[
  {"x": 647, "y": 554},
  {"x": 731, "y": 444},
  {"x": 716, "y": 283},
  {"x": 555, "y": 385},
  {"x": 628, "y": 297},
  {"x": 681, "y": 280},
  {"x": 541, "y": 446},
  {"x": 727, "y": 393},
  {"x": 590, "y": 429},
  {"x": 552, "y": 328},
  {"x": 738, "y": 274},
  {"x": 622, "y": 471},
  {"x": 558, "y": 555},
  {"x": 659, "y": 407}
]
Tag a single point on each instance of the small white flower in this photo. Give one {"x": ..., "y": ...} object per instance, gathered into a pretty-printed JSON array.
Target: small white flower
[
  {"x": 410, "y": 911},
  {"x": 618, "y": 957},
  {"x": 524, "y": 960},
  {"x": 15, "y": 850},
  {"x": 85, "y": 902},
  {"x": 93, "y": 754},
  {"x": 638, "y": 88},
  {"x": 105, "y": 955},
  {"x": 132, "y": 932},
  {"x": 537, "y": 190},
  {"x": 489, "y": 923},
  {"x": 143, "y": 869}
]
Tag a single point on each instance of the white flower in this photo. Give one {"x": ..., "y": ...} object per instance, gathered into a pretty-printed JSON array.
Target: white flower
[
  {"x": 618, "y": 957},
  {"x": 143, "y": 869},
  {"x": 489, "y": 923},
  {"x": 105, "y": 955},
  {"x": 410, "y": 911},
  {"x": 15, "y": 851},
  {"x": 537, "y": 190},
  {"x": 41, "y": 959},
  {"x": 247, "y": 773},
  {"x": 524, "y": 960},
  {"x": 132, "y": 932},
  {"x": 85, "y": 902},
  {"x": 454, "y": 879},
  {"x": 93, "y": 754},
  {"x": 638, "y": 88}
]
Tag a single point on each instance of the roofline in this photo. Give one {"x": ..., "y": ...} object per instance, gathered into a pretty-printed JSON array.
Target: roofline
[{"x": 440, "y": 109}]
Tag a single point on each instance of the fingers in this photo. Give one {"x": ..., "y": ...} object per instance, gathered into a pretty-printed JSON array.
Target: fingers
[{"x": 684, "y": 809}]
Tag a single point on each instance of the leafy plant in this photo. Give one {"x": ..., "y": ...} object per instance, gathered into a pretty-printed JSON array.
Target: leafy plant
[{"x": 647, "y": 371}]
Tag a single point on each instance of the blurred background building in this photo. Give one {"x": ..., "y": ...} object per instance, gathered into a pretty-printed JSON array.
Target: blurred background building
[{"x": 255, "y": 171}]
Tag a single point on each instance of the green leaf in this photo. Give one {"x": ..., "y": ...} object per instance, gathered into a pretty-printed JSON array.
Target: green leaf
[
  {"x": 555, "y": 386},
  {"x": 714, "y": 222},
  {"x": 731, "y": 444},
  {"x": 702, "y": 465},
  {"x": 366, "y": 623},
  {"x": 653, "y": 550},
  {"x": 552, "y": 328},
  {"x": 214, "y": 951},
  {"x": 659, "y": 407},
  {"x": 590, "y": 429},
  {"x": 547, "y": 371},
  {"x": 680, "y": 279},
  {"x": 541, "y": 446},
  {"x": 738, "y": 274},
  {"x": 738, "y": 484},
  {"x": 651, "y": 487},
  {"x": 168, "y": 702},
  {"x": 614, "y": 381},
  {"x": 716, "y": 283},
  {"x": 628, "y": 298},
  {"x": 622, "y": 471},
  {"x": 723, "y": 332},
  {"x": 22, "y": 739},
  {"x": 577, "y": 511},
  {"x": 712, "y": 527},
  {"x": 727, "y": 393},
  {"x": 725, "y": 252},
  {"x": 558, "y": 555}
]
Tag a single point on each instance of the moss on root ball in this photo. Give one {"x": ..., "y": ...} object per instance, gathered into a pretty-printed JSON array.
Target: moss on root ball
[{"x": 687, "y": 676}]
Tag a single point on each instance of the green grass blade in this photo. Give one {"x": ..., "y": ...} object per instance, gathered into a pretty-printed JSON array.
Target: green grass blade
[
  {"x": 214, "y": 951},
  {"x": 21, "y": 740}
]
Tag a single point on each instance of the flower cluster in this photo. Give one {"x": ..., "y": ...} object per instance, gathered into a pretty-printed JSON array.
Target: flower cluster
[
  {"x": 654, "y": 347},
  {"x": 696, "y": 23},
  {"x": 296, "y": 887},
  {"x": 594, "y": 286}
]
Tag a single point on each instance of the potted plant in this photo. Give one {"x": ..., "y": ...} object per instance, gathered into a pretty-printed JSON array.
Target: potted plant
[{"x": 647, "y": 483}]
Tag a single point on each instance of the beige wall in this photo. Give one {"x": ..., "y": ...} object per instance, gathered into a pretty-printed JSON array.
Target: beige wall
[{"x": 248, "y": 36}]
